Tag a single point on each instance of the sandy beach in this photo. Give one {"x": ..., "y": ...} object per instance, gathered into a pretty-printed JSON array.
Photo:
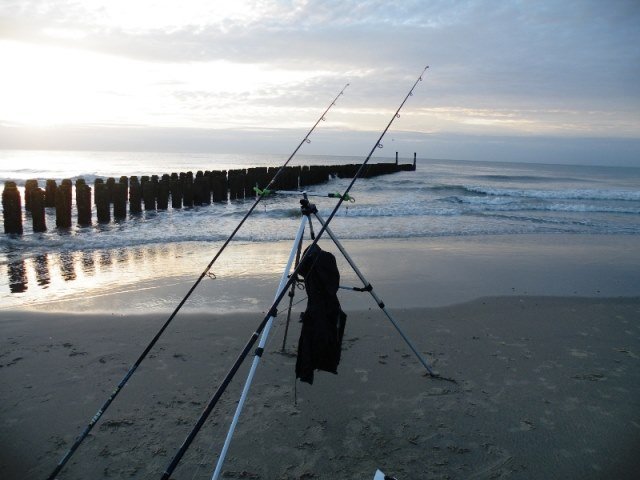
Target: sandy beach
[
  {"x": 478, "y": 161},
  {"x": 545, "y": 363}
]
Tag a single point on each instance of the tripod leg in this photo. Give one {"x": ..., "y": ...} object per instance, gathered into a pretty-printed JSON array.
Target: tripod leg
[
  {"x": 377, "y": 299},
  {"x": 291, "y": 294},
  {"x": 258, "y": 355}
]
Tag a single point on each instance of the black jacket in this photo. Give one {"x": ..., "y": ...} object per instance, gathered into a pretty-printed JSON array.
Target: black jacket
[{"x": 323, "y": 321}]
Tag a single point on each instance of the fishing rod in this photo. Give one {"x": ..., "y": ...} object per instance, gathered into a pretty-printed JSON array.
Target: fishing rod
[
  {"x": 273, "y": 310},
  {"x": 155, "y": 339}
]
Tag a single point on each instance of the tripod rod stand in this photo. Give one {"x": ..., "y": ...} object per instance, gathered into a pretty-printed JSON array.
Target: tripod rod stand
[{"x": 308, "y": 209}]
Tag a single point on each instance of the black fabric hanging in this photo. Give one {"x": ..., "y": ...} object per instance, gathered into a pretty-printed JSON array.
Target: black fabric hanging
[{"x": 323, "y": 321}]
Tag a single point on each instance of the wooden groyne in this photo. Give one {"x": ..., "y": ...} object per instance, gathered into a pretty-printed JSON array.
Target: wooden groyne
[{"x": 155, "y": 192}]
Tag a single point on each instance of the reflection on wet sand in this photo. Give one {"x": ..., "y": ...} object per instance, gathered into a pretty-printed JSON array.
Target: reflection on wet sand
[
  {"x": 17, "y": 275},
  {"x": 41, "y": 268},
  {"x": 67, "y": 266},
  {"x": 88, "y": 264},
  {"x": 104, "y": 258},
  {"x": 88, "y": 267},
  {"x": 48, "y": 277},
  {"x": 122, "y": 255}
]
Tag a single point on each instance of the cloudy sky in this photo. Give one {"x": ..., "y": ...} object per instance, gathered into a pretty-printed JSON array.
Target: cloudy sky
[{"x": 545, "y": 80}]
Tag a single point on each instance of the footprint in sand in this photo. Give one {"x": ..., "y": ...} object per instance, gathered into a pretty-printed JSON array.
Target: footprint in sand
[
  {"x": 593, "y": 377},
  {"x": 525, "y": 426},
  {"x": 364, "y": 375},
  {"x": 627, "y": 351},
  {"x": 13, "y": 362},
  {"x": 578, "y": 353}
]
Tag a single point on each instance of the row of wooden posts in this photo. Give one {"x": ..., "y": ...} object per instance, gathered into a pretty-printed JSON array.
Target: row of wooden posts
[{"x": 154, "y": 192}]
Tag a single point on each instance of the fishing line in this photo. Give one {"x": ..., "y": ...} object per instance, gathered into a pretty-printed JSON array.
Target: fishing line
[
  {"x": 155, "y": 339},
  {"x": 273, "y": 309}
]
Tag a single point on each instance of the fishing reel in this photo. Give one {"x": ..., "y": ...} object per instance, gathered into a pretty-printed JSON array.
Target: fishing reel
[{"x": 307, "y": 208}]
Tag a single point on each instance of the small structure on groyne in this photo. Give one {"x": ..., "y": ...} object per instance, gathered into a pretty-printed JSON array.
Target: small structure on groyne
[{"x": 155, "y": 192}]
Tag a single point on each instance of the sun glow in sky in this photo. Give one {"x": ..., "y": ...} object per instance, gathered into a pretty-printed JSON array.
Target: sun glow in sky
[
  {"x": 566, "y": 70},
  {"x": 52, "y": 86}
]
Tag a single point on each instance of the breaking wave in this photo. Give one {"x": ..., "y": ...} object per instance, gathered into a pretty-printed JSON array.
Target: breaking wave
[{"x": 569, "y": 194}]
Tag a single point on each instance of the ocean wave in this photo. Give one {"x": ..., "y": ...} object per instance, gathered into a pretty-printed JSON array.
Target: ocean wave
[
  {"x": 21, "y": 176},
  {"x": 575, "y": 194},
  {"x": 566, "y": 225},
  {"x": 526, "y": 178},
  {"x": 523, "y": 204},
  {"x": 568, "y": 194}
]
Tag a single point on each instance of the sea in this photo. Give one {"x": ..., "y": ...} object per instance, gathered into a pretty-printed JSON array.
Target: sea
[{"x": 441, "y": 198}]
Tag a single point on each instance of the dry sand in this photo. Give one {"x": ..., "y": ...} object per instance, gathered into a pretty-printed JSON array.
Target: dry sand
[{"x": 547, "y": 387}]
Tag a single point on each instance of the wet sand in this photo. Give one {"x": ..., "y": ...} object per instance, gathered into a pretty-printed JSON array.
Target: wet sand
[{"x": 416, "y": 272}]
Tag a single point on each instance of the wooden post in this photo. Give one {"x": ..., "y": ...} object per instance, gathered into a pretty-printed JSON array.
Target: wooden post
[
  {"x": 236, "y": 183},
  {"x": 95, "y": 189},
  {"x": 251, "y": 180},
  {"x": 176, "y": 191},
  {"x": 271, "y": 173},
  {"x": 29, "y": 186},
  {"x": 296, "y": 178},
  {"x": 396, "y": 158},
  {"x": 304, "y": 176},
  {"x": 206, "y": 188},
  {"x": 414, "y": 160},
  {"x": 79, "y": 183},
  {"x": 103, "y": 210},
  {"x": 288, "y": 179},
  {"x": 12, "y": 208},
  {"x": 83, "y": 202},
  {"x": 135, "y": 195},
  {"x": 256, "y": 177},
  {"x": 219, "y": 186},
  {"x": 198, "y": 188},
  {"x": 148, "y": 193},
  {"x": 155, "y": 180},
  {"x": 63, "y": 204},
  {"x": 110, "y": 186},
  {"x": 313, "y": 175},
  {"x": 163, "y": 192},
  {"x": 50, "y": 194},
  {"x": 120, "y": 200},
  {"x": 187, "y": 189},
  {"x": 37, "y": 210}
]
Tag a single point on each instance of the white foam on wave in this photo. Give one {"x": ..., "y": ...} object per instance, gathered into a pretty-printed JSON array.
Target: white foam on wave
[
  {"x": 524, "y": 204},
  {"x": 575, "y": 194}
]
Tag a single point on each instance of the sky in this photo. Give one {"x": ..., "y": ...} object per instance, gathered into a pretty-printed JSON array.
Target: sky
[{"x": 542, "y": 81}]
